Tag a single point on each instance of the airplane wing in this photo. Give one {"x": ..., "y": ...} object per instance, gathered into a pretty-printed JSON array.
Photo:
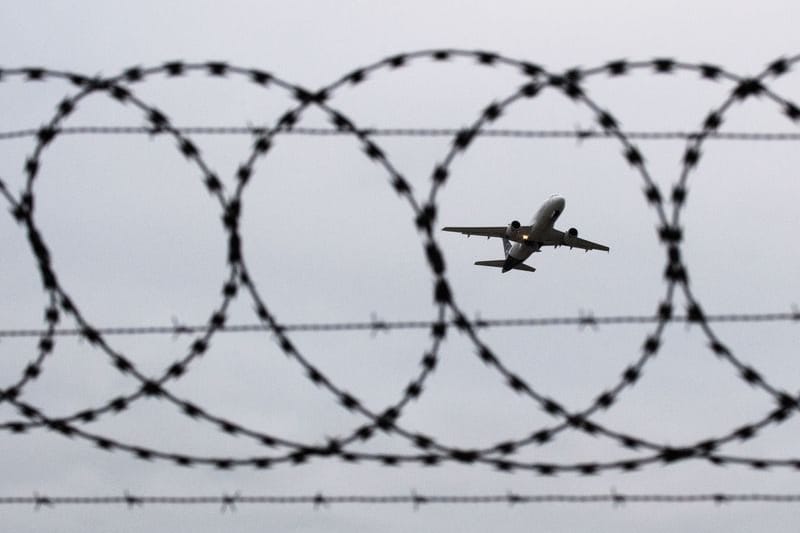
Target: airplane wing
[
  {"x": 556, "y": 238},
  {"x": 485, "y": 231}
]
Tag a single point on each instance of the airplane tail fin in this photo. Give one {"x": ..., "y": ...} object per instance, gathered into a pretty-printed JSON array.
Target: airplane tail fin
[{"x": 500, "y": 262}]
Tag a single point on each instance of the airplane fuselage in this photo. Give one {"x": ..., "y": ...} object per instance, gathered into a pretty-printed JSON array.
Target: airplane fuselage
[
  {"x": 540, "y": 226},
  {"x": 519, "y": 241}
]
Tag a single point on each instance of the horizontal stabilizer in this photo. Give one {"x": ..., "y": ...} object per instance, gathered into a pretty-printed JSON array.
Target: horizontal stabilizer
[{"x": 500, "y": 262}]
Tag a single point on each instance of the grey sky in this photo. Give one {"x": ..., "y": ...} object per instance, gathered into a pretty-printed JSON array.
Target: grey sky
[{"x": 136, "y": 240}]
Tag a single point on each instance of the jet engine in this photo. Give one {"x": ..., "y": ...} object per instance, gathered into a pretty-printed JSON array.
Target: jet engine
[
  {"x": 512, "y": 228},
  {"x": 570, "y": 237}
]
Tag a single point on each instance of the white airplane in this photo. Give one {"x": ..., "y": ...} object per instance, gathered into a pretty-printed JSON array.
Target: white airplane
[{"x": 529, "y": 239}]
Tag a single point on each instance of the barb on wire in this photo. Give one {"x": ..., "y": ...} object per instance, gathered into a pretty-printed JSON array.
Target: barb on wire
[
  {"x": 132, "y": 501},
  {"x": 377, "y": 325},
  {"x": 40, "y": 501},
  {"x": 229, "y": 502},
  {"x": 587, "y": 318},
  {"x": 320, "y": 501},
  {"x": 178, "y": 329}
]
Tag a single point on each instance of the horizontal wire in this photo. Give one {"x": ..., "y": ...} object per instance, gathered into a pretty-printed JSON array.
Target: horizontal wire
[
  {"x": 230, "y": 501},
  {"x": 577, "y": 133},
  {"x": 380, "y": 325}
]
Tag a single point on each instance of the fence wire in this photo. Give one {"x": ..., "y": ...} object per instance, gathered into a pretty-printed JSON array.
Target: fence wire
[
  {"x": 375, "y": 325},
  {"x": 576, "y": 133},
  {"x": 229, "y": 502}
]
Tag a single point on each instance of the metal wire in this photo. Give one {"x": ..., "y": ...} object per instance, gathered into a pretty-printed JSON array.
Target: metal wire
[
  {"x": 376, "y": 325},
  {"x": 411, "y": 132},
  {"x": 417, "y": 500}
]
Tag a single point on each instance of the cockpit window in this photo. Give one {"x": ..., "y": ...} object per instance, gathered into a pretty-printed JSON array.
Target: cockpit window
[{"x": 555, "y": 215}]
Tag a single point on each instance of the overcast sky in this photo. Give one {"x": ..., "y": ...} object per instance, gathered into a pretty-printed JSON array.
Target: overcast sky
[{"x": 137, "y": 240}]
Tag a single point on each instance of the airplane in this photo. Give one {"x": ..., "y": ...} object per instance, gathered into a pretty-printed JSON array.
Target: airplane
[{"x": 529, "y": 239}]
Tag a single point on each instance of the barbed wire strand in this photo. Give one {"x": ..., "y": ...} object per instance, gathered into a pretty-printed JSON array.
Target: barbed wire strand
[
  {"x": 376, "y": 325},
  {"x": 577, "y": 133},
  {"x": 230, "y": 501}
]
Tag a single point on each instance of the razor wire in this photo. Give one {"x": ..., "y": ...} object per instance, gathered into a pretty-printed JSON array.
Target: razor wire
[{"x": 432, "y": 451}]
